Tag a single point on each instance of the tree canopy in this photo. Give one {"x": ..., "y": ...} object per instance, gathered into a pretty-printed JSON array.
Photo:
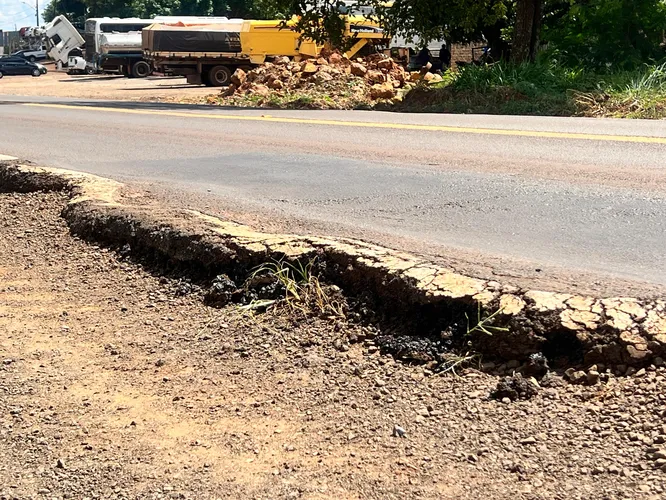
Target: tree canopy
[{"x": 598, "y": 33}]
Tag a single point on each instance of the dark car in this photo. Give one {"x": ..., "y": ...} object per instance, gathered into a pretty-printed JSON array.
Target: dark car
[{"x": 19, "y": 66}]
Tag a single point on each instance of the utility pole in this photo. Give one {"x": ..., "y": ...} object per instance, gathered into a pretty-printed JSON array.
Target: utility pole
[{"x": 37, "y": 11}]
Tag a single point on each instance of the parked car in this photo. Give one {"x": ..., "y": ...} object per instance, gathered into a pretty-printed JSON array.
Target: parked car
[
  {"x": 31, "y": 55},
  {"x": 19, "y": 66}
]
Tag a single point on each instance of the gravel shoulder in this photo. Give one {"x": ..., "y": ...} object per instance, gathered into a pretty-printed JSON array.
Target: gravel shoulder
[{"x": 115, "y": 383}]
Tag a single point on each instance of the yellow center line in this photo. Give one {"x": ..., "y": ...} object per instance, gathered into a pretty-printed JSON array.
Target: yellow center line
[{"x": 395, "y": 126}]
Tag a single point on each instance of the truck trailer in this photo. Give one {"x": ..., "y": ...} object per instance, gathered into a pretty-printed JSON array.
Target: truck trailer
[{"x": 209, "y": 54}]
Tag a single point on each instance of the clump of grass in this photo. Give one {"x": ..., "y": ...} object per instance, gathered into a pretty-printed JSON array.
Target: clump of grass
[
  {"x": 302, "y": 289},
  {"x": 545, "y": 88},
  {"x": 638, "y": 94}
]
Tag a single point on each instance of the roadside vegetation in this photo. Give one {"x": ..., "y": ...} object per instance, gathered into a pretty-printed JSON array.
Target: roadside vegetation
[
  {"x": 545, "y": 88},
  {"x": 545, "y": 57}
]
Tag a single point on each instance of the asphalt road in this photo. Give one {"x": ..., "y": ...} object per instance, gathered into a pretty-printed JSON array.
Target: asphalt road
[{"x": 581, "y": 194}]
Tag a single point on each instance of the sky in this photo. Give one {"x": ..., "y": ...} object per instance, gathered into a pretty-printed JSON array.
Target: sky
[{"x": 19, "y": 13}]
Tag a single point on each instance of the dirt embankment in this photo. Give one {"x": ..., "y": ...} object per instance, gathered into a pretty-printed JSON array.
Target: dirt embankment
[{"x": 118, "y": 383}]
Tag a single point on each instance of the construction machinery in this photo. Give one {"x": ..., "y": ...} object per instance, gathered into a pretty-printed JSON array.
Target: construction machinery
[{"x": 210, "y": 53}]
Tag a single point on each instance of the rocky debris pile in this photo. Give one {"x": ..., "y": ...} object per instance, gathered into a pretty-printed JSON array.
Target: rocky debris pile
[{"x": 333, "y": 82}]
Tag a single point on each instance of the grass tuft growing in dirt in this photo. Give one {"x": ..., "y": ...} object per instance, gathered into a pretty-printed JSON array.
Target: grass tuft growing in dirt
[{"x": 298, "y": 289}]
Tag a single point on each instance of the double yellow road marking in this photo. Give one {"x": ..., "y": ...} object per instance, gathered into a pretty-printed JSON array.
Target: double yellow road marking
[{"x": 353, "y": 124}]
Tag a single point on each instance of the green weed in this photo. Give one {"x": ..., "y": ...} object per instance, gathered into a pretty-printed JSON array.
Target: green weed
[{"x": 303, "y": 291}]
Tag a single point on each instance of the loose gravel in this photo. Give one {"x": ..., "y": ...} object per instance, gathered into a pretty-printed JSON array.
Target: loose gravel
[{"x": 119, "y": 383}]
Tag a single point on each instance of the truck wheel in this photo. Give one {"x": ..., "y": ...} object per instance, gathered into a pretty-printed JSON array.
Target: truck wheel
[
  {"x": 141, "y": 69},
  {"x": 32, "y": 59},
  {"x": 90, "y": 71},
  {"x": 219, "y": 76}
]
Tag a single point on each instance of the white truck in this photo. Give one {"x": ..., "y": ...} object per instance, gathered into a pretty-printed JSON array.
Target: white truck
[{"x": 63, "y": 38}]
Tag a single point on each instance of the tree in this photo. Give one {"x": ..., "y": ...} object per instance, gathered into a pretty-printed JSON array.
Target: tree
[
  {"x": 527, "y": 30},
  {"x": 458, "y": 20},
  {"x": 74, "y": 10},
  {"x": 607, "y": 33},
  {"x": 246, "y": 9}
]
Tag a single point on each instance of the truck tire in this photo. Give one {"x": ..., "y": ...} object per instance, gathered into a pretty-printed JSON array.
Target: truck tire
[
  {"x": 218, "y": 76},
  {"x": 32, "y": 59},
  {"x": 141, "y": 69}
]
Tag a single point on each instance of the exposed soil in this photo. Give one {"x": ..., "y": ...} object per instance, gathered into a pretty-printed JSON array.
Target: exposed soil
[
  {"x": 115, "y": 383},
  {"x": 114, "y": 87}
]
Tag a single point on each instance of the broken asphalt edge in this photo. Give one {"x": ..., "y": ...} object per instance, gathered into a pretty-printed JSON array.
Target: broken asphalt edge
[{"x": 613, "y": 331}]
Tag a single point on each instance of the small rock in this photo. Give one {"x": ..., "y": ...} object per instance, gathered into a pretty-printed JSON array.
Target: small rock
[
  {"x": 60, "y": 464},
  {"x": 528, "y": 440},
  {"x": 658, "y": 361},
  {"x": 398, "y": 431},
  {"x": 308, "y": 68},
  {"x": 536, "y": 366},
  {"x": 239, "y": 77},
  {"x": 592, "y": 377},
  {"x": 423, "y": 412},
  {"x": 358, "y": 69},
  {"x": 576, "y": 376},
  {"x": 382, "y": 91},
  {"x": 514, "y": 388}
]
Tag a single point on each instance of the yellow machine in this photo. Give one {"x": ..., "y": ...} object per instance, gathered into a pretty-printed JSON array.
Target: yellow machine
[
  {"x": 210, "y": 53},
  {"x": 261, "y": 39}
]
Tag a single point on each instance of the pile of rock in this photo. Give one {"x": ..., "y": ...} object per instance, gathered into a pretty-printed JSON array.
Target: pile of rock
[{"x": 334, "y": 77}]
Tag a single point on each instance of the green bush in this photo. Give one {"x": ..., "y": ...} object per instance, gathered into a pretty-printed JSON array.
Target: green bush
[{"x": 606, "y": 34}]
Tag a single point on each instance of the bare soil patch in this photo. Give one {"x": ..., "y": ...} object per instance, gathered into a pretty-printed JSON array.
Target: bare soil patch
[
  {"x": 116, "y": 383},
  {"x": 112, "y": 87}
]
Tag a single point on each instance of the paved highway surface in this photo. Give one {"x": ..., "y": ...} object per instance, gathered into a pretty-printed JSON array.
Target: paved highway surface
[{"x": 583, "y": 194}]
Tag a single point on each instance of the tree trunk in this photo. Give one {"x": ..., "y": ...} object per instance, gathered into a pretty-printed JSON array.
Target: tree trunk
[{"x": 527, "y": 30}]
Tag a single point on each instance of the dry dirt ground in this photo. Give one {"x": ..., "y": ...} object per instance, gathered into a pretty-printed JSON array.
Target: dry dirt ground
[
  {"x": 59, "y": 84},
  {"x": 115, "y": 383}
]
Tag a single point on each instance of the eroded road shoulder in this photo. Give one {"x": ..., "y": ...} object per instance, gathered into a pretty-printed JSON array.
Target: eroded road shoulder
[{"x": 118, "y": 384}]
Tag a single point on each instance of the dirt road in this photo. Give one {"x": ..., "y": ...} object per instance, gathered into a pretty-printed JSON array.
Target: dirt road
[
  {"x": 60, "y": 84},
  {"x": 115, "y": 383}
]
